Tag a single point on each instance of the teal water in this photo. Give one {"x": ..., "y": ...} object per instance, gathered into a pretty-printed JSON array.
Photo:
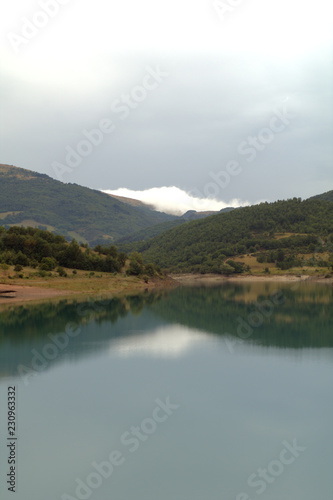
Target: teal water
[{"x": 192, "y": 394}]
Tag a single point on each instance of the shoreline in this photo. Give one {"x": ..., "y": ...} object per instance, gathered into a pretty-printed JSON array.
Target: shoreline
[
  {"x": 30, "y": 293},
  {"x": 116, "y": 287},
  {"x": 33, "y": 293},
  {"x": 211, "y": 279}
]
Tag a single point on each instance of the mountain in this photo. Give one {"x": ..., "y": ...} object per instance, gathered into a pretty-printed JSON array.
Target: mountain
[
  {"x": 32, "y": 199},
  {"x": 271, "y": 232},
  {"x": 130, "y": 201},
  {"x": 189, "y": 215},
  {"x": 150, "y": 232},
  {"x": 328, "y": 196},
  {"x": 193, "y": 215}
]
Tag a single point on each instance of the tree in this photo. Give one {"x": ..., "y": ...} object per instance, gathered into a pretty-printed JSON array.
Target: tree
[
  {"x": 135, "y": 256},
  {"x": 135, "y": 268},
  {"x": 21, "y": 259},
  {"x": 280, "y": 255},
  {"x": 227, "y": 269},
  {"x": 48, "y": 264}
]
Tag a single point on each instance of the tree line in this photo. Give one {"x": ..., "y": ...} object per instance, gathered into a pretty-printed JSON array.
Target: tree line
[
  {"x": 37, "y": 248},
  {"x": 284, "y": 232}
]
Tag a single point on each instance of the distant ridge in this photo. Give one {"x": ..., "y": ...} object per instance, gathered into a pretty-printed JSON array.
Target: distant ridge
[
  {"x": 29, "y": 198},
  {"x": 328, "y": 196},
  {"x": 150, "y": 232},
  {"x": 130, "y": 201}
]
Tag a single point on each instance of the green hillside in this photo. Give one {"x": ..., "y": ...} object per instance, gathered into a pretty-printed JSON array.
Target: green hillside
[
  {"x": 150, "y": 232},
  {"x": 284, "y": 233},
  {"x": 31, "y": 199},
  {"x": 35, "y": 248},
  {"x": 328, "y": 196}
]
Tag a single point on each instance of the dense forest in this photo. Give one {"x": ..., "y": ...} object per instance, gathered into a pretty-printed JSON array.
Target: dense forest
[
  {"x": 46, "y": 252},
  {"x": 287, "y": 233},
  {"x": 328, "y": 196},
  {"x": 150, "y": 232}
]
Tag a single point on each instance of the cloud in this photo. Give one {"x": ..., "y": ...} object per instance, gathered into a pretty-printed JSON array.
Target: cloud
[
  {"x": 223, "y": 88},
  {"x": 174, "y": 200}
]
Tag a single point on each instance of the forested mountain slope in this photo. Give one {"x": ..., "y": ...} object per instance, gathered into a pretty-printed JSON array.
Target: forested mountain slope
[
  {"x": 274, "y": 232},
  {"x": 328, "y": 196},
  {"x": 31, "y": 199}
]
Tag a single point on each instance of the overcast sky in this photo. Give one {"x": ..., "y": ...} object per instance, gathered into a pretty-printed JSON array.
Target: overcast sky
[{"x": 229, "y": 100}]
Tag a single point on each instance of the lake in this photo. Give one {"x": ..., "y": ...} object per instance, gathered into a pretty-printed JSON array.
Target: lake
[{"x": 203, "y": 393}]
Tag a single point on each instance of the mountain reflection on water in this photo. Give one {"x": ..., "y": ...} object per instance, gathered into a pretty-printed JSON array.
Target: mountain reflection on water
[{"x": 167, "y": 323}]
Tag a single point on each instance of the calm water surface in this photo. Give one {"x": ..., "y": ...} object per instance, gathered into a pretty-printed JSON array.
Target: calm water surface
[{"x": 193, "y": 394}]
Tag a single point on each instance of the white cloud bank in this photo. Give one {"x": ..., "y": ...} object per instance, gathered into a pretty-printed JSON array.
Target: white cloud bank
[{"x": 173, "y": 200}]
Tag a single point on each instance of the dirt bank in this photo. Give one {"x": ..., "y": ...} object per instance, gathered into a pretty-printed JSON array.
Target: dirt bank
[{"x": 214, "y": 279}]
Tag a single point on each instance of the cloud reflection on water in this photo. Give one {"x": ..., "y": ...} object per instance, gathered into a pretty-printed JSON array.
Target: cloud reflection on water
[{"x": 167, "y": 342}]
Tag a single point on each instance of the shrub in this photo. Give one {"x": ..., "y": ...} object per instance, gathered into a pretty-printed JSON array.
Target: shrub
[
  {"x": 48, "y": 264},
  {"x": 61, "y": 271},
  {"x": 239, "y": 267},
  {"x": 21, "y": 259},
  {"x": 135, "y": 256},
  {"x": 135, "y": 268},
  {"x": 227, "y": 269},
  {"x": 4, "y": 267},
  {"x": 150, "y": 269}
]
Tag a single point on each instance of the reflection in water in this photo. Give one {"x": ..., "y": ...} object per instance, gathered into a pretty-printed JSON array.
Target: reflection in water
[
  {"x": 102, "y": 364},
  {"x": 38, "y": 336},
  {"x": 170, "y": 341},
  {"x": 34, "y": 320},
  {"x": 286, "y": 316},
  {"x": 252, "y": 313}
]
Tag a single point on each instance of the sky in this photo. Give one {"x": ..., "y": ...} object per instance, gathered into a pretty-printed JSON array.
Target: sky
[{"x": 186, "y": 104}]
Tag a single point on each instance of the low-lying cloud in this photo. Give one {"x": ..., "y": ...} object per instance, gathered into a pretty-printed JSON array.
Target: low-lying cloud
[{"x": 174, "y": 200}]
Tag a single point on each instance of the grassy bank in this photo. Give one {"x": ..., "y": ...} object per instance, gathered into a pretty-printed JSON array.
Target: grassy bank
[
  {"x": 77, "y": 281},
  {"x": 270, "y": 269},
  {"x": 30, "y": 284}
]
